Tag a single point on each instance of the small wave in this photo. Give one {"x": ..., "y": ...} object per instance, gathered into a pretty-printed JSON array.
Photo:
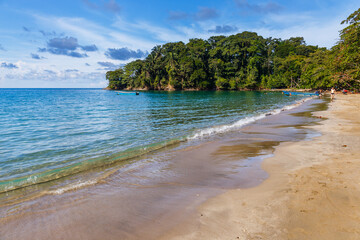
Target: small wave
[
  {"x": 72, "y": 187},
  {"x": 225, "y": 128},
  {"x": 78, "y": 167},
  {"x": 242, "y": 122}
]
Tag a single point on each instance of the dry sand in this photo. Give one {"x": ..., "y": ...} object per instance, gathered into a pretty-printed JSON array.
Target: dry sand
[{"x": 313, "y": 191}]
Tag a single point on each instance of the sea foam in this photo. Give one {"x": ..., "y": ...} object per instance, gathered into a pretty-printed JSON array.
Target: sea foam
[
  {"x": 72, "y": 187},
  {"x": 242, "y": 122}
]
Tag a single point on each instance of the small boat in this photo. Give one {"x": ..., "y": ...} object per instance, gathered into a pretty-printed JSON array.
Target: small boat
[
  {"x": 122, "y": 92},
  {"x": 288, "y": 93}
]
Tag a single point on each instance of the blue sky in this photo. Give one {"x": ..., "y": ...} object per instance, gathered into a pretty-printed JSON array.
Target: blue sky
[{"x": 72, "y": 43}]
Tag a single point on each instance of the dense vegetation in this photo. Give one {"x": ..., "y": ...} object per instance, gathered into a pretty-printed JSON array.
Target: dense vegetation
[{"x": 246, "y": 61}]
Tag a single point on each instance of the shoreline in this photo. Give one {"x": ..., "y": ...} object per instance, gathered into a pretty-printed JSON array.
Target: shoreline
[
  {"x": 312, "y": 191},
  {"x": 214, "y": 90},
  {"x": 25, "y": 183},
  {"x": 152, "y": 196}
]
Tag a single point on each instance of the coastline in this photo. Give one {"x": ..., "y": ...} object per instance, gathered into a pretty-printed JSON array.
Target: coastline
[
  {"x": 214, "y": 90},
  {"x": 161, "y": 191},
  {"x": 312, "y": 191},
  {"x": 216, "y": 189},
  {"x": 205, "y": 128}
]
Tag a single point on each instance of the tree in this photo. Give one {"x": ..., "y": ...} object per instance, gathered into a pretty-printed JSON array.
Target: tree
[
  {"x": 347, "y": 53},
  {"x": 116, "y": 79},
  {"x": 246, "y": 61},
  {"x": 316, "y": 72}
]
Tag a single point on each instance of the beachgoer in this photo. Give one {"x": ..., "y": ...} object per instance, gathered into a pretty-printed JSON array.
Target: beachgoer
[{"x": 332, "y": 93}]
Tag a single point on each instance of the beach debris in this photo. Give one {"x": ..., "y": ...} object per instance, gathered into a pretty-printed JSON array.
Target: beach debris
[
  {"x": 268, "y": 114},
  {"x": 344, "y": 145}
]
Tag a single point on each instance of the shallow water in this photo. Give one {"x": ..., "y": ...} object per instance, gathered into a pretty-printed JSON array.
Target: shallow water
[
  {"x": 47, "y": 134},
  {"x": 159, "y": 190}
]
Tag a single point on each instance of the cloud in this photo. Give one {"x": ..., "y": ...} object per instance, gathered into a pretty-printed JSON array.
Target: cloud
[
  {"x": 223, "y": 29},
  {"x": 71, "y": 70},
  {"x": 50, "y": 34},
  {"x": 206, "y": 13},
  {"x": 90, "y": 48},
  {"x": 67, "y": 46},
  {"x": 110, "y": 6},
  {"x": 86, "y": 64},
  {"x": 8, "y": 65},
  {"x": 103, "y": 35},
  {"x": 66, "y": 43},
  {"x": 261, "y": 8},
  {"x": 26, "y": 29},
  {"x": 65, "y": 52},
  {"x": 309, "y": 26},
  {"x": 50, "y": 72},
  {"x": 177, "y": 15},
  {"x": 76, "y": 55},
  {"x": 124, "y": 53},
  {"x": 2, "y": 48},
  {"x": 203, "y": 14},
  {"x": 108, "y": 65},
  {"x": 53, "y": 75},
  {"x": 36, "y": 56}
]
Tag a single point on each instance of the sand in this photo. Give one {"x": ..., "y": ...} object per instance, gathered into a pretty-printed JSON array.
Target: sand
[{"x": 313, "y": 191}]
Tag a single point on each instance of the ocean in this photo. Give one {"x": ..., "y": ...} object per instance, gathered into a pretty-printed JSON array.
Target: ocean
[{"x": 48, "y": 134}]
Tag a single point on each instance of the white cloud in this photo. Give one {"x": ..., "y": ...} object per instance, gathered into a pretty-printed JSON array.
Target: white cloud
[
  {"x": 315, "y": 25},
  {"x": 150, "y": 31},
  {"x": 321, "y": 32},
  {"x": 103, "y": 37}
]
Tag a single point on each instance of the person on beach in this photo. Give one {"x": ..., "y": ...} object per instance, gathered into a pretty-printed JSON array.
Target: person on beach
[{"x": 332, "y": 93}]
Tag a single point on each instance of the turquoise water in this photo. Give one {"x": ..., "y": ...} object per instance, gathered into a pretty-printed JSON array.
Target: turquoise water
[{"x": 50, "y": 133}]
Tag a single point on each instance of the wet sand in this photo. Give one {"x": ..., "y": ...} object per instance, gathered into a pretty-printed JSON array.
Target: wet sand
[
  {"x": 187, "y": 193},
  {"x": 313, "y": 191}
]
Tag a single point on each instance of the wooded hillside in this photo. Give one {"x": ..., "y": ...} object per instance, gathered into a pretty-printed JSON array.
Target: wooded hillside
[{"x": 246, "y": 61}]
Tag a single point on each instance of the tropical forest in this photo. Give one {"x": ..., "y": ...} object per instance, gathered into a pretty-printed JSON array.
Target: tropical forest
[{"x": 246, "y": 61}]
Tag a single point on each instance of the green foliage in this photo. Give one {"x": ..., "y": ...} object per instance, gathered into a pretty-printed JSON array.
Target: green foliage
[
  {"x": 221, "y": 83},
  {"x": 246, "y": 61},
  {"x": 316, "y": 70},
  {"x": 346, "y": 54},
  {"x": 115, "y": 79}
]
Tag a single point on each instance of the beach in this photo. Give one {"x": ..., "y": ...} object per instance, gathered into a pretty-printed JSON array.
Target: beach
[
  {"x": 167, "y": 120},
  {"x": 291, "y": 175},
  {"x": 313, "y": 191}
]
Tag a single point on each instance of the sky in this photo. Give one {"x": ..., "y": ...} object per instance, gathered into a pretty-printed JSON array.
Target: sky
[{"x": 73, "y": 43}]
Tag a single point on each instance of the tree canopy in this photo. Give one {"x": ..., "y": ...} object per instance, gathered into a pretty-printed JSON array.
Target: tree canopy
[{"x": 246, "y": 61}]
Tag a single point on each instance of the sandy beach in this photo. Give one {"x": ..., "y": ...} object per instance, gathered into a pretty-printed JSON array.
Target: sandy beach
[
  {"x": 313, "y": 191},
  {"x": 306, "y": 188}
]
